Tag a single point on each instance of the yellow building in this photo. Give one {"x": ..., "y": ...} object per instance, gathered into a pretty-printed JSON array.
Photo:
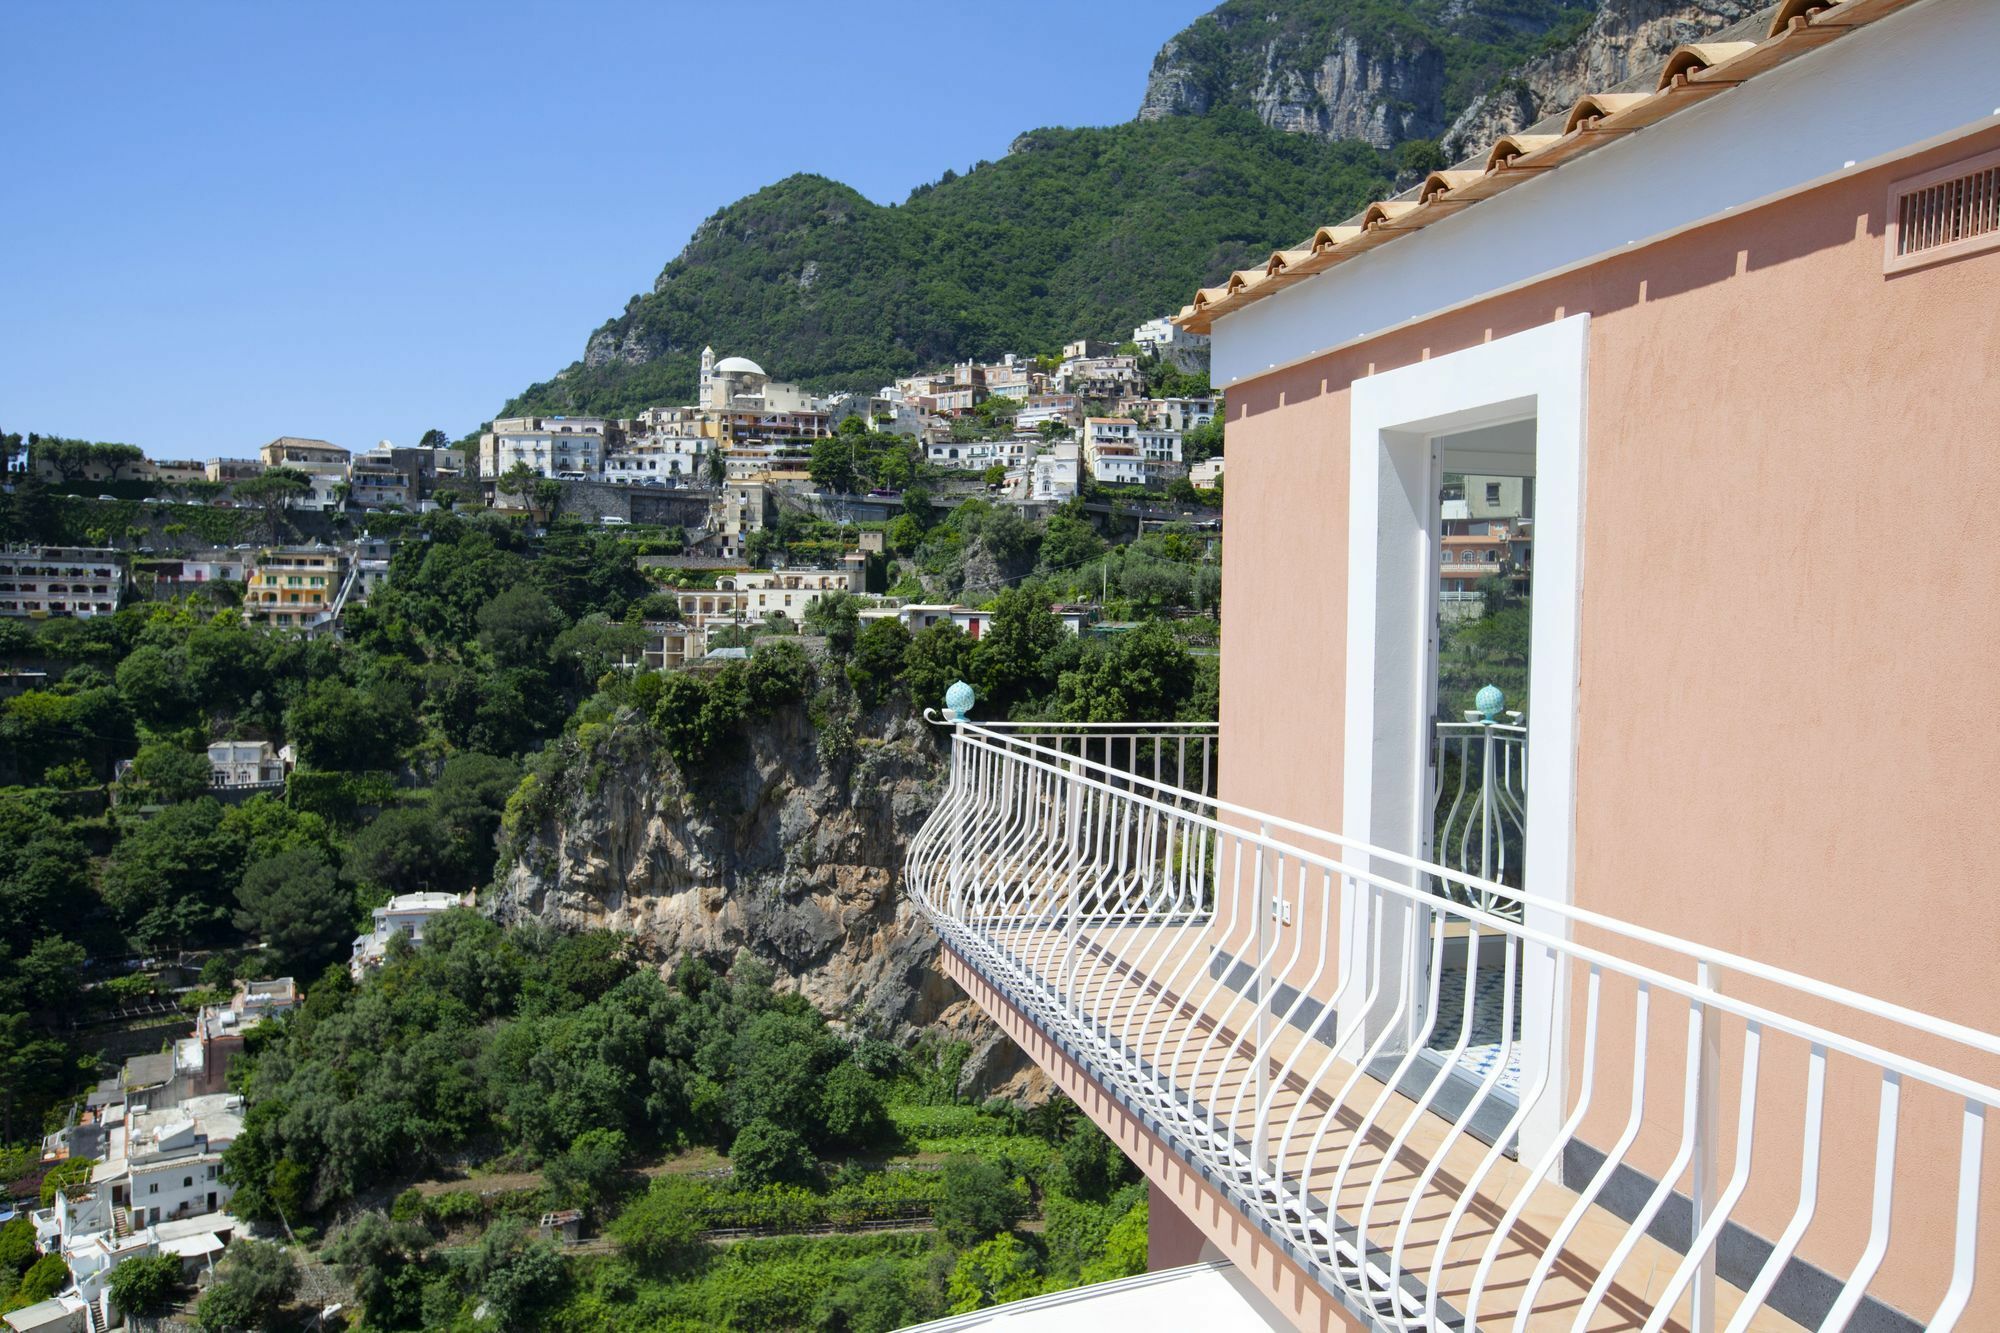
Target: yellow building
[{"x": 293, "y": 588}]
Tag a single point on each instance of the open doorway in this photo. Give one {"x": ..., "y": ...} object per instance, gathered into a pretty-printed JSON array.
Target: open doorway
[
  {"x": 1509, "y": 413},
  {"x": 1483, "y": 552}
]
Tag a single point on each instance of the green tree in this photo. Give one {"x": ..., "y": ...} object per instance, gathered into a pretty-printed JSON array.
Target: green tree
[
  {"x": 851, "y": 1109},
  {"x": 339, "y": 726},
  {"x": 154, "y": 683},
  {"x": 768, "y": 1154},
  {"x": 661, "y": 1229},
  {"x": 877, "y": 660},
  {"x": 832, "y": 465},
  {"x": 35, "y": 1070},
  {"x": 297, "y": 905},
  {"x": 172, "y": 877},
  {"x": 936, "y": 658},
  {"x": 44, "y": 1278},
  {"x": 519, "y": 626},
  {"x": 1015, "y": 657},
  {"x": 878, "y": 1296},
  {"x": 383, "y": 1261},
  {"x": 515, "y": 1275},
  {"x": 273, "y": 491},
  {"x": 146, "y": 1284},
  {"x": 1202, "y": 443},
  {"x": 164, "y": 773},
  {"x": 837, "y": 615},
  {"x": 993, "y": 1273},
  {"x": 591, "y": 1171},
  {"x": 403, "y": 850},
  {"x": 981, "y": 1199},
  {"x": 1143, "y": 676},
  {"x": 1069, "y": 542},
  {"x": 254, "y": 1281},
  {"x": 17, "y": 1250}
]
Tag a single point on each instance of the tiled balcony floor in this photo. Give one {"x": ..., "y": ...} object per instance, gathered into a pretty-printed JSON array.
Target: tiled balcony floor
[{"x": 1149, "y": 990}]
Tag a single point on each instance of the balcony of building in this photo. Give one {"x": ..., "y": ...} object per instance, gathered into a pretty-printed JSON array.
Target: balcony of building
[{"x": 1436, "y": 1100}]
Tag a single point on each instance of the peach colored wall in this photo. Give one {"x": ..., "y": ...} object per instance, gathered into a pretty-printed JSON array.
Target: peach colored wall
[
  {"x": 1787, "y": 641},
  {"x": 1172, "y": 1238}
]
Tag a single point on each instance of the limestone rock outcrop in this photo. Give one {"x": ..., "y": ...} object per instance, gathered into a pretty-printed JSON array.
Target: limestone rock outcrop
[{"x": 777, "y": 848}]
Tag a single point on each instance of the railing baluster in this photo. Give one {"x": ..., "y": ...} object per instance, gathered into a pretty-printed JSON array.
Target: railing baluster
[
  {"x": 1082, "y": 879},
  {"x": 1881, "y": 1215},
  {"x": 1802, "y": 1216},
  {"x": 1965, "y": 1245}
]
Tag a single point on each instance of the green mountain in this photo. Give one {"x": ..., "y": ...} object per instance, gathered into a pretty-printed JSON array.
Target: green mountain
[
  {"x": 1074, "y": 233},
  {"x": 1261, "y": 120}
]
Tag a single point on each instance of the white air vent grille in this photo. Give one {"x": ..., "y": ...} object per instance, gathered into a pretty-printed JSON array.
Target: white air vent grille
[{"x": 1944, "y": 213}]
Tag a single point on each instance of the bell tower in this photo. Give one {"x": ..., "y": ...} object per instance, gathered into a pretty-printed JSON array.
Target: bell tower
[{"x": 707, "y": 398}]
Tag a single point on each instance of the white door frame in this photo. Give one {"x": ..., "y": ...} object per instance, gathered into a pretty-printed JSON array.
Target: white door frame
[{"x": 1392, "y": 528}]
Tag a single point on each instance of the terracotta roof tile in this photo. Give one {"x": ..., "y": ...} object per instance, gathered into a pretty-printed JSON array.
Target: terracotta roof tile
[
  {"x": 1594, "y": 109},
  {"x": 1706, "y": 62},
  {"x": 1509, "y": 150},
  {"x": 1692, "y": 73}
]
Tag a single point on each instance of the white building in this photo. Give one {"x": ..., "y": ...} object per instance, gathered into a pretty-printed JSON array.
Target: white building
[
  {"x": 405, "y": 914},
  {"x": 1207, "y": 473},
  {"x": 1170, "y": 342},
  {"x": 245, "y": 764},
  {"x": 737, "y": 382},
  {"x": 217, "y": 566},
  {"x": 1111, "y": 450},
  {"x": 1181, "y": 414},
  {"x": 978, "y": 455},
  {"x": 1054, "y": 474},
  {"x": 324, "y": 464},
  {"x": 556, "y": 447},
  {"x": 746, "y": 598},
  {"x": 78, "y": 581},
  {"x": 1107, "y": 377},
  {"x": 1161, "y": 450},
  {"x": 166, "y": 1163},
  {"x": 658, "y": 460}
]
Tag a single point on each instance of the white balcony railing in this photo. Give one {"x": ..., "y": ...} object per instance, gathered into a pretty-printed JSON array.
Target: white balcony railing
[{"x": 1453, "y": 1105}]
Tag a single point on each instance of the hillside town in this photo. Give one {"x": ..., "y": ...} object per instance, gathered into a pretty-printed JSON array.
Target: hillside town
[
  {"x": 1031, "y": 434},
  {"x": 789, "y": 825}
]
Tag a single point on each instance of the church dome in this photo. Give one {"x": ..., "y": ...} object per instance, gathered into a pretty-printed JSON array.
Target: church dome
[{"x": 738, "y": 365}]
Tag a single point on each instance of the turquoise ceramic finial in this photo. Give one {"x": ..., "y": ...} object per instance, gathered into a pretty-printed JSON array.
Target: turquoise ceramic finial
[
  {"x": 1489, "y": 701},
  {"x": 959, "y": 700}
]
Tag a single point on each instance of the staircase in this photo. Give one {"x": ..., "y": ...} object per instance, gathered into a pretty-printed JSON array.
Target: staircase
[{"x": 121, "y": 1222}]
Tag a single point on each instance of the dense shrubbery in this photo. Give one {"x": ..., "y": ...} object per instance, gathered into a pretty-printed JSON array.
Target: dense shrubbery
[
  {"x": 557, "y": 1049},
  {"x": 552, "y": 1044}
]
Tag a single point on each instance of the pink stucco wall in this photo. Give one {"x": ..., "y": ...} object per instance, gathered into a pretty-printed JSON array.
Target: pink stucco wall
[{"x": 1790, "y": 640}]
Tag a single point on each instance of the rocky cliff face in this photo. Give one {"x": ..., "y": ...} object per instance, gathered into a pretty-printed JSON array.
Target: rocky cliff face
[
  {"x": 1381, "y": 95},
  {"x": 792, "y": 854},
  {"x": 1627, "y": 37},
  {"x": 1462, "y": 71}
]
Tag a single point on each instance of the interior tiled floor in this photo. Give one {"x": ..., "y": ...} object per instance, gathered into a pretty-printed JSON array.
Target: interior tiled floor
[{"x": 1488, "y": 1010}]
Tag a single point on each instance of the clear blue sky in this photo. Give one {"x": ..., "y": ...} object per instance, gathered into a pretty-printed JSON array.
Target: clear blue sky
[{"x": 355, "y": 220}]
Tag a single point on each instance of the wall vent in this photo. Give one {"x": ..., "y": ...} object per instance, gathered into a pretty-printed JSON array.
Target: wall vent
[{"x": 1943, "y": 214}]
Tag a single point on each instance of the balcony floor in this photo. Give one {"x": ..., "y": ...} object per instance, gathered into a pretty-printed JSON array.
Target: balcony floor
[{"x": 1167, "y": 1011}]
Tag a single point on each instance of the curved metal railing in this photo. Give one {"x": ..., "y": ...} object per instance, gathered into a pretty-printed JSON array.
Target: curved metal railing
[{"x": 1266, "y": 995}]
